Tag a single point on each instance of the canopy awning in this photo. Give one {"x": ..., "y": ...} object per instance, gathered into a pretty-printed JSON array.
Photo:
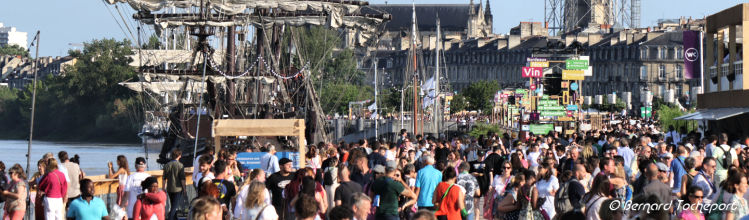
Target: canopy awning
[{"x": 713, "y": 114}]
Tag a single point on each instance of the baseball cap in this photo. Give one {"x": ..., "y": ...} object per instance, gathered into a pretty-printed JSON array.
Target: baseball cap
[
  {"x": 283, "y": 161},
  {"x": 662, "y": 166},
  {"x": 667, "y": 155},
  {"x": 140, "y": 161},
  {"x": 379, "y": 168}
]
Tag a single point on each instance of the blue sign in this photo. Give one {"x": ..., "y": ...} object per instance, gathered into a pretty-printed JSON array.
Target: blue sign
[
  {"x": 250, "y": 160},
  {"x": 574, "y": 86},
  {"x": 539, "y": 90},
  {"x": 571, "y": 107},
  {"x": 293, "y": 156}
]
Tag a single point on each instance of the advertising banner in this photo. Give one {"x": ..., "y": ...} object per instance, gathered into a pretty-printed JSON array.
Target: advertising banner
[{"x": 692, "y": 55}]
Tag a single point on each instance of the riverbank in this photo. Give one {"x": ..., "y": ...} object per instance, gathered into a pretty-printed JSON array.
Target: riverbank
[
  {"x": 94, "y": 156},
  {"x": 116, "y": 139}
]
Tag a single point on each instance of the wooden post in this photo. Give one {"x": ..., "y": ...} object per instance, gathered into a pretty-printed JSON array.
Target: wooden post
[{"x": 300, "y": 141}]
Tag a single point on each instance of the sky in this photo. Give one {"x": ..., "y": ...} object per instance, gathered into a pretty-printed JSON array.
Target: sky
[{"x": 64, "y": 24}]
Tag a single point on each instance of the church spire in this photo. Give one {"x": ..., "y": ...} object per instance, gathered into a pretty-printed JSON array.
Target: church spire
[
  {"x": 488, "y": 10},
  {"x": 470, "y": 8}
]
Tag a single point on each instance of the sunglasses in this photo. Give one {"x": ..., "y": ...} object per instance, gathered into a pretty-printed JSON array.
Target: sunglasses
[
  {"x": 697, "y": 197},
  {"x": 508, "y": 168}
]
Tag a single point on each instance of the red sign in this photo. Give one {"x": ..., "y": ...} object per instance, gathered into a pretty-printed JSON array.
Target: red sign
[
  {"x": 533, "y": 72},
  {"x": 533, "y": 86},
  {"x": 570, "y": 113}
]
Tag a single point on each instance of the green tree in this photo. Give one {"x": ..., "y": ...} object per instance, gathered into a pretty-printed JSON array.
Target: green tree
[
  {"x": 335, "y": 98},
  {"x": 86, "y": 103},
  {"x": 479, "y": 95},
  {"x": 482, "y": 129},
  {"x": 458, "y": 104},
  {"x": 13, "y": 50},
  {"x": 153, "y": 43},
  {"x": 666, "y": 112},
  {"x": 333, "y": 72}
]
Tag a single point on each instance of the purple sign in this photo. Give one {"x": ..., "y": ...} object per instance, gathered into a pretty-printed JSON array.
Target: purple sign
[{"x": 692, "y": 55}]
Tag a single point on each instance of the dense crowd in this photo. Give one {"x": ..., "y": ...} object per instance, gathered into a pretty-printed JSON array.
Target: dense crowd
[{"x": 622, "y": 171}]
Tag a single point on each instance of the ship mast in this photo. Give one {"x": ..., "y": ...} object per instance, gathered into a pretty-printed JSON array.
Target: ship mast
[
  {"x": 416, "y": 72},
  {"x": 436, "y": 113}
]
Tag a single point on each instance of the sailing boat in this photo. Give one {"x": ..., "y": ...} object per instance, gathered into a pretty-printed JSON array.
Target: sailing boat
[{"x": 220, "y": 75}]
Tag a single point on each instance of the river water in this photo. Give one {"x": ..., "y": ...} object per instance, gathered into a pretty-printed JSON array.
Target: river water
[{"x": 94, "y": 156}]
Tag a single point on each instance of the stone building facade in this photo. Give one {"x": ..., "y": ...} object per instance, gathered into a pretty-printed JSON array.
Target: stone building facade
[{"x": 630, "y": 60}]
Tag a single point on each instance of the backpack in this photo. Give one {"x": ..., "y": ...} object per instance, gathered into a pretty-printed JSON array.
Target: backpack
[
  {"x": 562, "y": 202},
  {"x": 727, "y": 157}
]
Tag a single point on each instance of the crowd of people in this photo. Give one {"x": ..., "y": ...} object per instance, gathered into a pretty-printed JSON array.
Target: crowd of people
[{"x": 622, "y": 171}]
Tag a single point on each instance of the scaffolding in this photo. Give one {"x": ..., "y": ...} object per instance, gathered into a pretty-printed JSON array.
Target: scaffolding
[{"x": 562, "y": 16}]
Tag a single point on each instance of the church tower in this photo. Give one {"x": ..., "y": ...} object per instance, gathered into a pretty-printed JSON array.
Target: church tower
[{"x": 489, "y": 19}]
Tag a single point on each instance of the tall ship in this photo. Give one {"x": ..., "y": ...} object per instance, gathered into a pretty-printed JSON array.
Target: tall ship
[{"x": 232, "y": 59}]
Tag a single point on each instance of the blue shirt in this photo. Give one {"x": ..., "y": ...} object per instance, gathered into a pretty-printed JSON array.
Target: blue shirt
[
  {"x": 678, "y": 170},
  {"x": 427, "y": 180},
  {"x": 627, "y": 154},
  {"x": 269, "y": 164},
  {"x": 82, "y": 210}
]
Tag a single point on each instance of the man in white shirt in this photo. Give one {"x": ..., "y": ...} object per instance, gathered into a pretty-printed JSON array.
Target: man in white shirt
[
  {"x": 132, "y": 187},
  {"x": 196, "y": 163}
]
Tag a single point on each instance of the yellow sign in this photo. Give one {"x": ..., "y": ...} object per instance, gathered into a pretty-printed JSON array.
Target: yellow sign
[
  {"x": 565, "y": 118},
  {"x": 573, "y": 75},
  {"x": 539, "y": 64},
  {"x": 565, "y": 97}
]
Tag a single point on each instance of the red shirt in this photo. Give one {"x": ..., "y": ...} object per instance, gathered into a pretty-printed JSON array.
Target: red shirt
[
  {"x": 449, "y": 205},
  {"x": 151, "y": 204},
  {"x": 54, "y": 184}
]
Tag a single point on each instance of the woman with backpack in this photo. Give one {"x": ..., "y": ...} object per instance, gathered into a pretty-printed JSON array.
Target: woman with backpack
[
  {"x": 736, "y": 184},
  {"x": 686, "y": 180},
  {"x": 529, "y": 199},
  {"x": 448, "y": 197},
  {"x": 509, "y": 206}
]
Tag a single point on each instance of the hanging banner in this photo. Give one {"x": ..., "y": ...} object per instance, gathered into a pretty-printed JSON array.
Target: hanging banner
[{"x": 692, "y": 55}]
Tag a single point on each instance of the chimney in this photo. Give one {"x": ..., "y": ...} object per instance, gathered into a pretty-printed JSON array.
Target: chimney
[
  {"x": 502, "y": 43},
  {"x": 513, "y": 41},
  {"x": 652, "y": 35},
  {"x": 594, "y": 38}
]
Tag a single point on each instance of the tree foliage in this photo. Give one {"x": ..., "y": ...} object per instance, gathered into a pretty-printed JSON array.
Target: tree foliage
[
  {"x": 479, "y": 95},
  {"x": 458, "y": 104},
  {"x": 85, "y": 103},
  {"x": 482, "y": 129},
  {"x": 13, "y": 50},
  {"x": 334, "y": 72},
  {"x": 666, "y": 112}
]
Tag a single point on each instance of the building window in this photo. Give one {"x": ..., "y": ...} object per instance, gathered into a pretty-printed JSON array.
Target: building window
[
  {"x": 662, "y": 53},
  {"x": 738, "y": 69},
  {"x": 679, "y": 53},
  {"x": 643, "y": 53},
  {"x": 643, "y": 72},
  {"x": 662, "y": 71}
]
